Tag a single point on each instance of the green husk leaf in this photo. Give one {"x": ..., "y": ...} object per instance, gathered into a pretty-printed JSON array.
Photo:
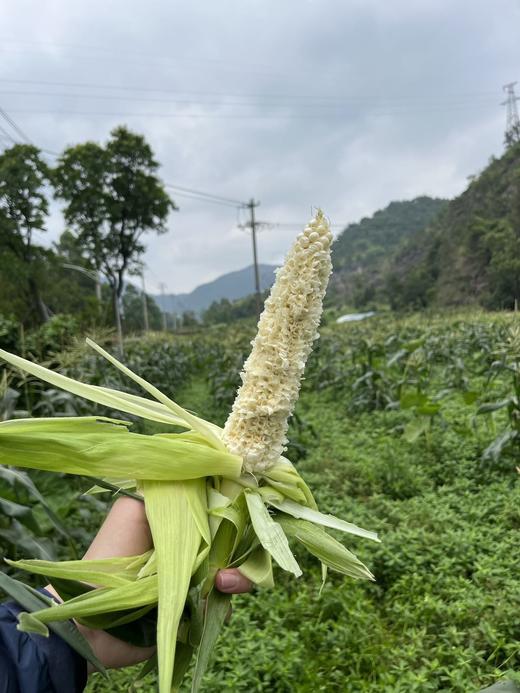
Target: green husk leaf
[
  {"x": 149, "y": 666},
  {"x": 183, "y": 656},
  {"x": 197, "y": 498},
  {"x": 115, "y": 619},
  {"x": 200, "y": 562},
  {"x": 190, "y": 420},
  {"x": 216, "y": 500},
  {"x": 329, "y": 551},
  {"x": 120, "y": 401},
  {"x": 177, "y": 540},
  {"x": 106, "y": 572},
  {"x": 229, "y": 537},
  {"x": 196, "y": 606},
  {"x": 324, "y": 573},
  {"x": 229, "y": 513},
  {"x": 33, "y": 601},
  {"x": 269, "y": 494},
  {"x": 220, "y": 553},
  {"x": 232, "y": 518},
  {"x": 287, "y": 491},
  {"x": 136, "y": 626},
  {"x": 150, "y": 567},
  {"x": 258, "y": 568},
  {"x": 217, "y": 607},
  {"x": 300, "y": 512},
  {"x": 29, "y": 624},
  {"x": 103, "y": 486},
  {"x": 107, "y": 599},
  {"x": 98, "y": 447},
  {"x": 283, "y": 476},
  {"x": 68, "y": 589},
  {"x": 66, "y": 424},
  {"x": 270, "y": 534}
]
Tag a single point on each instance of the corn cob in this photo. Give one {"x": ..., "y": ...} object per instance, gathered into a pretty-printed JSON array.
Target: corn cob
[{"x": 257, "y": 426}]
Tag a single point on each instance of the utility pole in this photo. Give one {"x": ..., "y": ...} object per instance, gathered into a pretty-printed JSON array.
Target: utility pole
[
  {"x": 253, "y": 225},
  {"x": 162, "y": 287},
  {"x": 145, "y": 305},
  {"x": 512, "y": 134},
  {"x": 119, "y": 326}
]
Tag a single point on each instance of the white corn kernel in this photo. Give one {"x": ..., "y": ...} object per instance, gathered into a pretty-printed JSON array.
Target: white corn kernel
[{"x": 257, "y": 426}]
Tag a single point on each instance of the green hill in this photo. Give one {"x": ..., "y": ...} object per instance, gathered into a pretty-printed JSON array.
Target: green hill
[
  {"x": 471, "y": 252},
  {"x": 361, "y": 251}
]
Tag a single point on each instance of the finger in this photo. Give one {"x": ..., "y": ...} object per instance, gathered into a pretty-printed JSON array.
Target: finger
[{"x": 231, "y": 581}]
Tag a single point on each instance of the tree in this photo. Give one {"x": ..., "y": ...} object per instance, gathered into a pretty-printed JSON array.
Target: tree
[
  {"x": 133, "y": 310},
  {"x": 189, "y": 319},
  {"x": 512, "y": 136},
  {"x": 502, "y": 241},
  {"x": 218, "y": 312},
  {"x": 226, "y": 311},
  {"x": 113, "y": 197},
  {"x": 23, "y": 210}
]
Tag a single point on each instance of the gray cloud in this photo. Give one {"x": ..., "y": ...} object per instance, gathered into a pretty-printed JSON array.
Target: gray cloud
[{"x": 346, "y": 104}]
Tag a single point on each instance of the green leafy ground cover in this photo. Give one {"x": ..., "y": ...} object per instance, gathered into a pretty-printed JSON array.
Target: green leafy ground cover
[{"x": 389, "y": 435}]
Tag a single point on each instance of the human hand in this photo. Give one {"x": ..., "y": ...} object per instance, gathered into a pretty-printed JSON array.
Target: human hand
[{"x": 125, "y": 532}]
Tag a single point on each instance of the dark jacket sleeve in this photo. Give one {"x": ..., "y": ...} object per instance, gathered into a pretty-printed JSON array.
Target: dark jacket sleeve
[{"x": 30, "y": 663}]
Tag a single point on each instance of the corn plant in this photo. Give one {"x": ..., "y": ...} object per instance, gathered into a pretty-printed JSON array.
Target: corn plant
[{"x": 507, "y": 364}]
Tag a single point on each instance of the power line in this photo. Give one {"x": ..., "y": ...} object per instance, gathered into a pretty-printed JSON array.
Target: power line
[
  {"x": 50, "y": 152},
  {"x": 21, "y": 134},
  {"x": 196, "y": 198},
  {"x": 7, "y": 135},
  {"x": 193, "y": 194},
  {"x": 216, "y": 198},
  {"x": 282, "y": 95},
  {"x": 100, "y": 53},
  {"x": 190, "y": 193},
  {"x": 256, "y": 100},
  {"x": 14, "y": 126},
  {"x": 202, "y": 196},
  {"x": 280, "y": 114}
]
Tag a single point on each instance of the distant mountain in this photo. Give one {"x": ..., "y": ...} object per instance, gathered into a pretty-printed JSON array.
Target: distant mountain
[
  {"x": 361, "y": 252},
  {"x": 232, "y": 286}
]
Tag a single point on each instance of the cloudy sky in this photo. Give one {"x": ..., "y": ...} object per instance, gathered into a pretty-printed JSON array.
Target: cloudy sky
[{"x": 345, "y": 104}]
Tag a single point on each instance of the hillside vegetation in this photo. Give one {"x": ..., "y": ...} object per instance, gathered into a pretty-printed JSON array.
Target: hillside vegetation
[
  {"x": 360, "y": 253},
  {"x": 472, "y": 252},
  {"x": 434, "y": 253}
]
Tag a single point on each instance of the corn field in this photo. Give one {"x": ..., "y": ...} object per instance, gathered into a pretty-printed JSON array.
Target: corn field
[{"x": 408, "y": 426}]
